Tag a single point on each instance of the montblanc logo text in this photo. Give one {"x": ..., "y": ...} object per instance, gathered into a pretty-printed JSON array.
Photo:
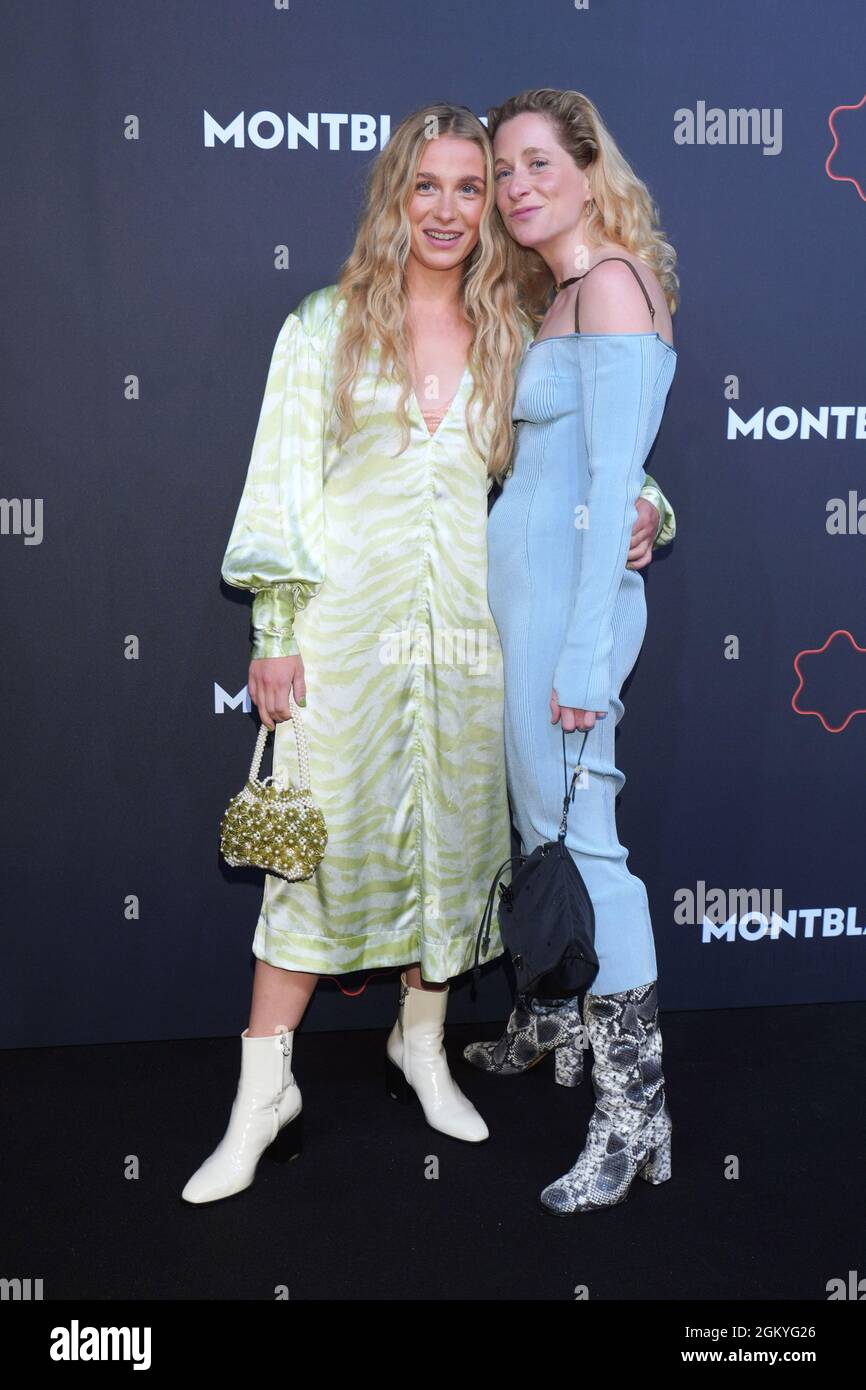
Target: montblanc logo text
[
  {"x": 803, "y": 923},
  {"x": 785, "y": 421},
  {"x": 326, "y": 130},
  {"x": 222, "y": 700}
]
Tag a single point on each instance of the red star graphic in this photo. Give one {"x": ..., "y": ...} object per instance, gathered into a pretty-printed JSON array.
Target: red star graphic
[
  {"x": 817, "y": 651},
  {"x": 843, "y": 178}
]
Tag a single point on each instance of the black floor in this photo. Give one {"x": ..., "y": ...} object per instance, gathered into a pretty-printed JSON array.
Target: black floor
[{"x": 780, "y": 1091}]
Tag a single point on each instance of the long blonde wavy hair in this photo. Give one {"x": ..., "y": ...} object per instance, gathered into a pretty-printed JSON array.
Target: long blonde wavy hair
[
  {"x": 622, "y": 209},
  {"x": 373, "y": 287}
]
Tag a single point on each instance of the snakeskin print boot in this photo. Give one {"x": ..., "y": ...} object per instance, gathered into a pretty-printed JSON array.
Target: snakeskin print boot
[
  {"x": 658, "y": 1169},
  {"x": 630, "y": 1129},
  {"x": 532, "y": 1032}
]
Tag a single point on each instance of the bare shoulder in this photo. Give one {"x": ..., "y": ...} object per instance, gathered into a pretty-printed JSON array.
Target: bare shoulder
[{"x": 611, "y": 298}]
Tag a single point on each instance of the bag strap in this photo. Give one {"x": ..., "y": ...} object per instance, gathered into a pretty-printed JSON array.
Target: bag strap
[
  {"x": 300, "y": 739},
  {"x": 487, "y": 916},
  {"x": 569, "y": 790}
]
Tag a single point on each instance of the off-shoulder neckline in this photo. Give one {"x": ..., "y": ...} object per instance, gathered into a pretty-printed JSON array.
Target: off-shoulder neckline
[{"x": 559, "y": 337}]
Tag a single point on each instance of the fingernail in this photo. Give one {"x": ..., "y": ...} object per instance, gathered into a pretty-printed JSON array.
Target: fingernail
[{"x": 303, "y": 702}]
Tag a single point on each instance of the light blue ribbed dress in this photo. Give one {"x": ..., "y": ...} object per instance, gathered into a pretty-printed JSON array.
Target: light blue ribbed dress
[{"x": 570, "y": 615}]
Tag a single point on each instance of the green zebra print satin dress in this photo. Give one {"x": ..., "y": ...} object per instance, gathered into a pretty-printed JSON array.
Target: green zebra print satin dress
[{"x": 372, "y": 564}]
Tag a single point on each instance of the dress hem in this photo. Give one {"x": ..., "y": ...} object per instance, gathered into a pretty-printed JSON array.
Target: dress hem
[{"x": 312, "y": 956}]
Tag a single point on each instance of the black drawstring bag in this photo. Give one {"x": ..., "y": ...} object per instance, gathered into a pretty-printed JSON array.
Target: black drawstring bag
[{"x": 546, "y": 916}]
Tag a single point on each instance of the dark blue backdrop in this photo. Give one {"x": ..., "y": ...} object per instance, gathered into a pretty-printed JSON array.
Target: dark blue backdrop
[{"x": 135, "y": 249}]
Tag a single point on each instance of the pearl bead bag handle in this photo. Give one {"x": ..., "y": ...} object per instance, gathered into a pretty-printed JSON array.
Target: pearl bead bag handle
[
  {"x": 300, "y": 739},
  {"x": 276, "y": 827}
]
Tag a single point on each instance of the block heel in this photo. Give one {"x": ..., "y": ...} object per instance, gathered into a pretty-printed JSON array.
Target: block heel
[
  {"x": 289, "y": 1142},
  {"x": 396, "y": 1085},
  {"x": 657, "y": 1168}
]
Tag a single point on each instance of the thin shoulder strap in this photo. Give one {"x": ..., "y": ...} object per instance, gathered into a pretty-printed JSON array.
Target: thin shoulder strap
[{"x": 634, "y": 273}]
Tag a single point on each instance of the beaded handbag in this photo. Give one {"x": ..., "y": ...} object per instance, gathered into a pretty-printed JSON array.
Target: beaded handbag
[{"x": 271, "y": 826}]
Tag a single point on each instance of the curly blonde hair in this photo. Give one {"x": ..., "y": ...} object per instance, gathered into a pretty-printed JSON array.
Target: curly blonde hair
[
  {"x": 622, "y": 209},
  {"x": 372, "y": 284}
]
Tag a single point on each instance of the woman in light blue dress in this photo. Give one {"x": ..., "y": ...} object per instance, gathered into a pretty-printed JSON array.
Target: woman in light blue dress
[{"x": 571, "y": 617}]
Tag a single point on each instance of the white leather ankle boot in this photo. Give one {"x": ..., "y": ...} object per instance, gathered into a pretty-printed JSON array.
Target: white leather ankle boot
[
  {"x": 267, "y": 1108},
  {"x": 416, "y": 1065}
]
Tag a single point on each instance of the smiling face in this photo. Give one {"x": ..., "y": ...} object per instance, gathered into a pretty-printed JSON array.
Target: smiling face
[
  {"x": 447, "y": 206},
  {"x": 540, "y": 192}
]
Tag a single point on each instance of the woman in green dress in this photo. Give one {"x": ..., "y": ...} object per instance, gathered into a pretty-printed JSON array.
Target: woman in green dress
[{"x": 361, "y": 532}]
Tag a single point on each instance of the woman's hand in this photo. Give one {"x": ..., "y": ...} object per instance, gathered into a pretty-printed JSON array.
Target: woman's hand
[
  {"x": 582, "y": 719},
  {"x": 643, "y": 533},
  {"x": 269, "y": 681}
]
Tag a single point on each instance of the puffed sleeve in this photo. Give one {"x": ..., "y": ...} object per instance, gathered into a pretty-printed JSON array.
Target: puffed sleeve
[
  {"x": 276, "y": 546},
  {"x": 617, "y": 373},
  {"x": 667, "y": 527}
]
